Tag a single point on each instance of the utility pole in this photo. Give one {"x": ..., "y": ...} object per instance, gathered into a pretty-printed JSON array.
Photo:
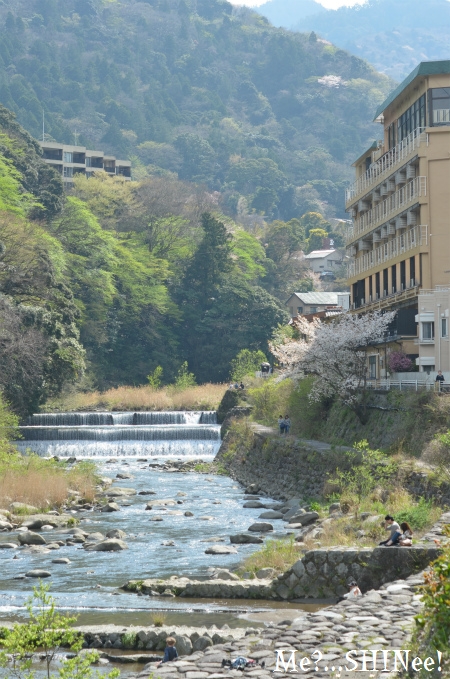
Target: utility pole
[{"x": 43, "y": 125}]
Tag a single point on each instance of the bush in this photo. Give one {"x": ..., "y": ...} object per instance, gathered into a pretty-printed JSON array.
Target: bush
[
  {"x": 417, "y": 515},
  {"x": 246, "y": 363},
  {"x": 433, "y": 623},
  {"x": 270, "y": 400},
  {"x": 277, "y": 554},
  {"x": 184, "y": 378},
  {"x": 399, "y": 362}
]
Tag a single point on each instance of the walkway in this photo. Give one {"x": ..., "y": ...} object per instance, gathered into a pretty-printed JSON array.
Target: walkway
[{"x": 264, "y": 431}]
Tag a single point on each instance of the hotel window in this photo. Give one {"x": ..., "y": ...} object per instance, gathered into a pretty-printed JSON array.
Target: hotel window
[
  {"x": 373, "y": 367},
  {"x": 412, "y": 118},
  {"x": 428, "y": 330},
  {"x": 68, "y": 157},
  {"x": 68, "y": 171},
  {"x": 439, "y": 103},
  {"x": 444, "y": 327}
]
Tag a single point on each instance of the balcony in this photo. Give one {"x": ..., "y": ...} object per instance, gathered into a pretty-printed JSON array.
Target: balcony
[
  {"x": 385, "y": 210},
  {"x": 417, "y": 235},
  {"x": 385, "y": 165},
  {"x": 389, "y": 301}
]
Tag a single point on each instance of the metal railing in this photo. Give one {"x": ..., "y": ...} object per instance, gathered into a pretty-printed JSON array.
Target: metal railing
[
  {"x": 408, "y": 385},
  {"x": 385, "y": 165},
  {"x": 388, "y": 300},
  {"x": 387, "y": 208},
  {"x": 415, "y": 236}
]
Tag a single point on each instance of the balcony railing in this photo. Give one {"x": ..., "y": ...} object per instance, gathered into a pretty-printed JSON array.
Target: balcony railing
[
  {"x": 417, "y": 235},
  {"x": 385, "y": 165},
  {"x": 387, "y": 301},
  {"x": 387, "y": 208}
]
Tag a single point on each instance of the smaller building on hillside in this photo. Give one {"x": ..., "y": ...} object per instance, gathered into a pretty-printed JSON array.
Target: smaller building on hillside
[
  {"x": 433, "y": 330},
  {"x": 306, "y": 303},
  {"x": 323, "y": 260}
]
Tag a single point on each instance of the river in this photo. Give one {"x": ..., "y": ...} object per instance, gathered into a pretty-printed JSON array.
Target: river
[{"x": 135, "y": 443}]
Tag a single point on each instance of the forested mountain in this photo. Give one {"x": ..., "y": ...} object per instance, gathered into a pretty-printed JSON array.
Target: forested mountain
[
  {"x": 197, "y": 88},
  {"x": 393, "y": 35},
  {"x": 102, "y": 286}
]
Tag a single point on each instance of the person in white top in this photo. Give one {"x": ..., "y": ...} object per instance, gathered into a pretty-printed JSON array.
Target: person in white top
[
  {"x": 353, "y": 593},
  {"x": 392, "y": 526}
]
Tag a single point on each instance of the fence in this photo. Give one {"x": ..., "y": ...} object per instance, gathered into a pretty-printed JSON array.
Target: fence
[{"x": 409, "y": 385}]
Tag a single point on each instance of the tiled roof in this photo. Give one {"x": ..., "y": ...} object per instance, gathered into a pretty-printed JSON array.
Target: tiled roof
[
  {"x": 318, "y": 254},
  {"x": 328, "y": 298}
]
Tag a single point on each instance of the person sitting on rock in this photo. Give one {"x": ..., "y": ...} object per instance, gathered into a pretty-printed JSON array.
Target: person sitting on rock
[
  {"x": 391, "y": 525},
  {"x": 170, "y": 652},
  {"x": 405, "y": 538}
]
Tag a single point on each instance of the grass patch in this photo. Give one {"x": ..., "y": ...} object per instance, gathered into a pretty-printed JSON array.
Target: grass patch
[
  {"x": 201, "y": 397},
  {"x": 43, "y": 483},
  {"x": 158, "y": 619},
  {"x": 278, "y": 554}
]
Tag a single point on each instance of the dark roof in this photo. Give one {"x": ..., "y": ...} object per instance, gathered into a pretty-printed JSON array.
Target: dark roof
[{"x": 424, "y": 68}]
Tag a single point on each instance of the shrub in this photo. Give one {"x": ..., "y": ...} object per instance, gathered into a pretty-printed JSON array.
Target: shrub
[
  {"x": 433, "y": 623},
  {"x": 184, "y": 378},
  {"x": 270, "y": 400},
  {"x": 277, "y": 554},
  {"x": 154, "y": 379},
  {"x": 417, "y": 515},
  {"x": 399, "y": 362},
  {"x": 246, "y": 363}
]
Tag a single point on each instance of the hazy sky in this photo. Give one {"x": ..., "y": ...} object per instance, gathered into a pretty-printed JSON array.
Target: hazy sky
[{"x": 330, "y": 4}]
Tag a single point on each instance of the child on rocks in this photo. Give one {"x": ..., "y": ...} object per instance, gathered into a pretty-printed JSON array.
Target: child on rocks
[{"x": 170, "y": 652}]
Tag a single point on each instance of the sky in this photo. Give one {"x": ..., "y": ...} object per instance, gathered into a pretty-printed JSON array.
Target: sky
[{"x": 329, "y": 4}]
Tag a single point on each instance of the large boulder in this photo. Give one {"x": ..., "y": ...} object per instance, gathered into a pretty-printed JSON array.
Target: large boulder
[
  {"x": 261, "y": 527},
  {"x": 5, "y": 525},
  {"x": 38, "y": 574},
  {"x": 161, "y": 503},
  {"x": 246, "y": 539},
  {"x": 114, "y": 533},
  {"x": 220, "y": 549},
  {"x": 253, "y": 504},
  {"x": 30, "y": 538},
  {"x": 184, "y": 645},
  {"x": 36, "y": 521},
  {"x": 305, "y": 518},
  {"x": 8, "y": 545},
  {"x": 119, "y": 492},
  {"x": 110, "y": 507},
  {"x": 271, "y": 514},
  {"x": 22, "y": 508},
  {"x": 201, "y": 643},
  {"x": 110, "y": 545}
]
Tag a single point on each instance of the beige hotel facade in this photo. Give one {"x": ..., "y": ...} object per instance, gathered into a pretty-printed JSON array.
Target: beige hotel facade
[{"x": 399, "y": 242}]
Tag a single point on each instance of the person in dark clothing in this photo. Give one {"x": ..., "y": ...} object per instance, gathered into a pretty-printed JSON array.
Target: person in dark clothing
[
  {"x": 440, "y": 377},
  {"x": 170, "y": 652}
]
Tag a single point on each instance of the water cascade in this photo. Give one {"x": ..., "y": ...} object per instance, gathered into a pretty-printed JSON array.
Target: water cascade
[{"x": 125, "y": 433}]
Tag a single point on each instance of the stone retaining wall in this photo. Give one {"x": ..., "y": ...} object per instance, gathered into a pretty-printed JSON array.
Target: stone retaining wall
[
  {"x": 285, "y": 467},
  {"x": 324, "y": 573},
  {"x": 205, "y": 589}
]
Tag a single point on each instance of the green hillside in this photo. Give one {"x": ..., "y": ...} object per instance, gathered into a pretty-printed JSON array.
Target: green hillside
[{"x": 197, "y": 88}]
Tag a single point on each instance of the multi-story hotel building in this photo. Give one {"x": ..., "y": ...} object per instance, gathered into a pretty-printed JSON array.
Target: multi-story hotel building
[
  {"x": 399, "y": 240},
  {"x": 72, "y": 160}
]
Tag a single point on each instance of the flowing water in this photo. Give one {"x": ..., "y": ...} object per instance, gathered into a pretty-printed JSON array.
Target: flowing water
[{"x": 136, "y": 443}]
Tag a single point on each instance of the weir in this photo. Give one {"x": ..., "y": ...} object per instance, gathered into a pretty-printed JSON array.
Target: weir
[{"x": 124, "y": 433}]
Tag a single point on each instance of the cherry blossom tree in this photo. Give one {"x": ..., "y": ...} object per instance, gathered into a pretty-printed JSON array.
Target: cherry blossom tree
[{"x": 335, "y": 352}]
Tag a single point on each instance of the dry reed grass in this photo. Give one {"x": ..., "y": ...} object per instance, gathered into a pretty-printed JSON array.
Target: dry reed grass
[
  {"x": 201, "y": 397},
  {"x": 43, "y": 484},
  {"x": 277, "y": 554}
]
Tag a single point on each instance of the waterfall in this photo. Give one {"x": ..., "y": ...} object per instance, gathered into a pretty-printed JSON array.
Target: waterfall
[{"x": 125, "y": 433}]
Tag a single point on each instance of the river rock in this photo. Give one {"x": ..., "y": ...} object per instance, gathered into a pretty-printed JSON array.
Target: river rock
[
  {"x": 156, "y": 518},
  {"x": 8, "y": 545},
  {"x": 206, "y": 518},
  {"x": 62, "y": 559},
  {"x": 110, "y": 507},
  {"x": 30, "y": 538},
  {"x": 114, "y": 533},
  {"x": 47, "y": 528},
  {"x": 5, "y": 525},
  {"x": 95, "y": 537},
  {"x": 245, "y": 539},
  {"x": 147, "y": 492},
  {"x": 168, "y": 543},
  {"x": 200, "y": 644},
  {"x": 305, "y": 518},
  {"x": 38, "y": 574},
  {"x": 252, "y": 488},
  {"x": 22, "y": 508},
  {"x": 76, "y": 531},
  {"x": 266, "y": 573},
  {"x": 188, "y": 514},
  {"x": 36, "y": 521},
  {"x": 124, "y": 475},
  {"x": 224, "y": 574},
  {"x": 261, "y": 527},
  {"x": 184, "y": 645},
  {"x": 220, "y": 549},
  {"x": 119, "y": 492},
  {"x": 253, "y": 504},
  {"x": 109, "y": 545},
  {"x": 271, "y": 514}
]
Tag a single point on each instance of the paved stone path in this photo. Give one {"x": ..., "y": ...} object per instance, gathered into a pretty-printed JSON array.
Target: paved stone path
[{"x": 379, "y": 620}]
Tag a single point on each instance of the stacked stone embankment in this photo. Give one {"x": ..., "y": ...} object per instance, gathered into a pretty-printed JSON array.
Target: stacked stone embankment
[{"x": 381, "y": 619}]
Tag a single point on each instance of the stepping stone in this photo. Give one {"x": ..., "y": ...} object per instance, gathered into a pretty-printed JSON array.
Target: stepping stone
[{"x": 220, "y": 549}]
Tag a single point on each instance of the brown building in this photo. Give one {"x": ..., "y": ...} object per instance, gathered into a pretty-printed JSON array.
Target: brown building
[{"x": 399, "y": 241}]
